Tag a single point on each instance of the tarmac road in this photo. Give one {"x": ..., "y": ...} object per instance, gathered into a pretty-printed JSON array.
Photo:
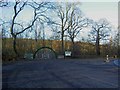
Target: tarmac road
[{"x": 69, "y": 73}]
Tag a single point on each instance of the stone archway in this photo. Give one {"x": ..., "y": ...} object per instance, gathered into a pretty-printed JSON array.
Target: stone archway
[{"x": 45, "y": 53}]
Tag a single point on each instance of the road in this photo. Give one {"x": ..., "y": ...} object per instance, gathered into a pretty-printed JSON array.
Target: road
[{"x": 68, "y": 73}]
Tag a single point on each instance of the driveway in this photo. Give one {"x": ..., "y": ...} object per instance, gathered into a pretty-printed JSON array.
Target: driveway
[{"x": 68, "y": 73}]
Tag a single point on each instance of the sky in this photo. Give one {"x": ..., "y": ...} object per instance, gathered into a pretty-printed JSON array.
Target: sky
[
  {"x": 99, "y": 10},
  {"x": 94, "y": 10}
]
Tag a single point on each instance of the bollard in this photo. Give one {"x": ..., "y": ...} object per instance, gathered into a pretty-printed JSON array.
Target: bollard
[{"x": 107, "y": 59}]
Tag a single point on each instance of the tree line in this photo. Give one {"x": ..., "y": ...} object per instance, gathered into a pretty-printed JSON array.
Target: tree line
[{"x": 68, "y": 21}]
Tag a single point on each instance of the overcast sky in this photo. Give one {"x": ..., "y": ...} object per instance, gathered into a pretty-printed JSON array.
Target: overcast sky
[{"x": 99, "y": 10}]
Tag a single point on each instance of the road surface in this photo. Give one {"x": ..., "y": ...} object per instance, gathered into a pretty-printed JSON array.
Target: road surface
[{"x": 68, "y": 73}]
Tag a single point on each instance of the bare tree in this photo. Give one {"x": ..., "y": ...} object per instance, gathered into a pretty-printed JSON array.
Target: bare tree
[
  {"x": 18, "y": 7},
  {"x": 56, "y": 32},
  {"x": 42, "y": 19},
  {"x": 100, "y": 31},
  {"x": 77, "y": 23},
  {"x": 17, "y": 10},
  {"x": 4, "y": 26},
  {"x": 3, "y": 3},
  {"x": 63, "y": 12},
  {"x": 118, "y": 40},
  {"x": 37, "y": 30}
]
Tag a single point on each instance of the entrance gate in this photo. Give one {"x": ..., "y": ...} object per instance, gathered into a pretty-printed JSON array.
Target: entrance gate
[{"x": 45, "y": 53}]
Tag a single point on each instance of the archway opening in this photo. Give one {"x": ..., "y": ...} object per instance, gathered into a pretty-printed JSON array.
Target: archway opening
[{"x": 45, "y": 53}]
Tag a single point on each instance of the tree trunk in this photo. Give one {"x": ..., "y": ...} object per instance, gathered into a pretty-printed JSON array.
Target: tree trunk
[
  {"x": 14, "y": 45},
  {"x": 62, "y": 45},
  {"x": 73, "y": 48},
  {"x": 73, "y": 44},
  {"x": 98, "y": 44}
]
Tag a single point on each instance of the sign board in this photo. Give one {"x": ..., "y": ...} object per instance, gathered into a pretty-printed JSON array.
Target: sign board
[{"x": 68, "y": 53}]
